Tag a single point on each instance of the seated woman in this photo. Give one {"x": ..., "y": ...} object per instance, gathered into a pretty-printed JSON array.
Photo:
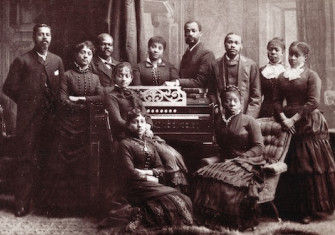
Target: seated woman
[
  {"x": 154, "y": 71},
  {"x": 226, "y": 192},
  {"x": 122, "y": 99},
  {"x": 66, "y": 175},
  {"x": 142, "y": 171}
]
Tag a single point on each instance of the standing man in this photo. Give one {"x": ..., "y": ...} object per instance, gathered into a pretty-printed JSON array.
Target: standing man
[
  {"x": 195, "y": 64},
  {"x": 234, "y": 69},
  {"x": 33, "y": 83},
  {"x": 103, "y": 63}
]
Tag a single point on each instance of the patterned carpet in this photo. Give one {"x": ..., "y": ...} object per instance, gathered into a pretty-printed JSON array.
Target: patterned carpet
[{"x": 34, "y": 224}]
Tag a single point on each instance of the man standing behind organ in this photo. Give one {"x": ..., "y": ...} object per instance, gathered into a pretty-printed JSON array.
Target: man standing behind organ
[
  {"x": 33, "y": 83},
  {"x": 234, "y": 69},
  {"x": 195, "y": 64},
  {"x": 103, "y": 63}
]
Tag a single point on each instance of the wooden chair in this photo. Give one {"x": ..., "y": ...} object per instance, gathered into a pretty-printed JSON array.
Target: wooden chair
[
  {"x": 276, "y": 144},
  {"x": 100, "y": 150}
]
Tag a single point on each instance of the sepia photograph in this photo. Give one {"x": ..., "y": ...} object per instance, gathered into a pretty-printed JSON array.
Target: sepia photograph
[{"x": 167, "y": 117}]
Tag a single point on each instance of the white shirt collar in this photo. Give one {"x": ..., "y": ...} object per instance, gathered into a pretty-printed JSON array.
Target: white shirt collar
[
  {"x": 44, "y": 57},
  {"x": 155, "y": 65},
  {"x": 108, "y": 61},
  {"x": 190, "y": 49},
  {"x": 235, "y": 58},
  {"x": 294, "y": 73}
]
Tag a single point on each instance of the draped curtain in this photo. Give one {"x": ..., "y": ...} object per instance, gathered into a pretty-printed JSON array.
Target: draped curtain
[
  {"x": 78, "y": 20},
  {"x": 311, "y": 19},
  {"x": 126, "y": 25}
]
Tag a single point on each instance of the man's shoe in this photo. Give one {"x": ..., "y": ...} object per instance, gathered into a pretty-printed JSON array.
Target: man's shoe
[{"x": 21, "y": 211}]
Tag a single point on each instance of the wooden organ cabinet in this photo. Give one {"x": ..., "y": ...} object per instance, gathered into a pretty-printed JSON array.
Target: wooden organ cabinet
[{"x": 184, "y": 118}]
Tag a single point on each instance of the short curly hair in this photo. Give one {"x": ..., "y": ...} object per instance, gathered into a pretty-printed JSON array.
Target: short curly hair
[{"x": 78, "y": 47}]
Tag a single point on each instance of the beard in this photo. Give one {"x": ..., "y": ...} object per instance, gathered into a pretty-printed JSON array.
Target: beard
[
  {"x": 43, "y": 46},
  {"x": 191, "y": 40}
]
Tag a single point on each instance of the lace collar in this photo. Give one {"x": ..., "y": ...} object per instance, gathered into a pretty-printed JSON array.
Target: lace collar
[
  {"x": 227, "y": 120},
  {"x": 272, "y": 70},
  {"x": 294, "y": 73},
  {"x": 79, "y": 69}
]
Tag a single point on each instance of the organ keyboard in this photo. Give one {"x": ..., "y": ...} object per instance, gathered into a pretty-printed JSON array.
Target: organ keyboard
[{"x": 177, "y": 117}]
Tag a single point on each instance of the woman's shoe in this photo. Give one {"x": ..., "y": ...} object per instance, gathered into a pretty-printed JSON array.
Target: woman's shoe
[
  {"x": 306, "y": 219},
  {"x": 21, "y": 211}
]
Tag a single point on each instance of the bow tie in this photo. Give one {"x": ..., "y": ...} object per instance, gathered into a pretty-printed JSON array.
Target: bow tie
[
  {"x": 108, "y": 64},
  {"x": 125, "y": 91}
]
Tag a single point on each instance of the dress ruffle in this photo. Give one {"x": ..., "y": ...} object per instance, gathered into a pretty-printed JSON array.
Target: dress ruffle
[
  {"x": 226, "y": 192},
  {"x": 309, "y": 184}
]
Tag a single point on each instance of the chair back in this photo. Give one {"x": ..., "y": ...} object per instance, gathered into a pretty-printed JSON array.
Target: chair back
[
  {"x": 276, "y": 140},
  {"x": 276, "y": 145}
]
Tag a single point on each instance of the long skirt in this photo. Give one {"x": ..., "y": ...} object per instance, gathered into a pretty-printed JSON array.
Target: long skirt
[
  {"x": 226, "y": 193},
  {"x": 161, "y": 205},
  {"x": 66, "y": 177},
  {"x": 309, "y": 185},
  {"x": 175, "y": 168}
]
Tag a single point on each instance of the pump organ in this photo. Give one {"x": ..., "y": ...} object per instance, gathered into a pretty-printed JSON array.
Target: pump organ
[{"x": 176, "y": 115}]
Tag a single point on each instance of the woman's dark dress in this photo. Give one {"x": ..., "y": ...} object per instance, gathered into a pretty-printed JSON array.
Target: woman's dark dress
[
  {"x": 67, "y": 176},
  {"x": 146, "y": 75},
  {"x": 118, "y": 102},
  {"x": 161, "y": 205},
  {"x": 226, "y": 192},
  {"x": 309, "y": 185},
  {"x": 267, "y": 86}
]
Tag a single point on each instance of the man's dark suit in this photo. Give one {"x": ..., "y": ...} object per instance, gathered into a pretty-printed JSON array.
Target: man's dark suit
[
  {"x": 34, "y": 86},
  {"x": 248, "y": 82},
  {"x": 195, "y": 67},
  {"x": 104, "y": 73}
]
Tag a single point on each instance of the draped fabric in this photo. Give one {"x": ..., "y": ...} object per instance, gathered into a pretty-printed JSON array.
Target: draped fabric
[
  {"x": 125, "y": 19},
  {"x": 312, "y": 28},
  {"x": 79, "y": 20}
]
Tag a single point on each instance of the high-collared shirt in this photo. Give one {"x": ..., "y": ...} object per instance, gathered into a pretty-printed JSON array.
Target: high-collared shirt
[
  {"x": 294, "y": 73},
  {"x": 273, "y": 70},
  {"x": 190, "y": 49},
  {"x": 44, "y": 57},
  {"x": 234, "y": 60},
  {"x": 159, "y": 62},
  {"x": 107, "y": 62}
]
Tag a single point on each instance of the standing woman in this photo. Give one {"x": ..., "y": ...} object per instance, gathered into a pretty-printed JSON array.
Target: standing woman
[
  {"x": 269, "y": 74},
  {"x": 310, "y": 187},
  {"x": 154, "y": 71},
  {"x": 67, "y": 175}
]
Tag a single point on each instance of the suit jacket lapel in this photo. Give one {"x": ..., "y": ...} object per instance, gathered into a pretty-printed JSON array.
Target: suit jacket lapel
[
  {"x": 242, "y": 67},
  {"x": 101, "y": 66},
  {"x": 242, "y": 79},
  {"x": 222, "y": 74},
  {"x": 40, "y": 59}
]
